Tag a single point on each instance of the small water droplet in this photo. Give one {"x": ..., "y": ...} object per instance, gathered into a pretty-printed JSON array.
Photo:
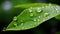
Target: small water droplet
[
  {"x": 22, "y": 23},
  {"x": 30, "y": 10},
  {"x": 46, "y": 14},
  {"x": 39, "y": 10},
  {"x": 31, "y": 14},
  {"x": 34, "y": 20},
  {"x": 15, "y": 24},
  {"x": 15, "y": 18}
]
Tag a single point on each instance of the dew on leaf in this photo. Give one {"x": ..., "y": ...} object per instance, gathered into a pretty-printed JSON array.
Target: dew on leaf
[
  {"x": 39, "y": 10},
  {"x": 57, "y": 10},
  {"x": 46, "y": 14},
  {"x": 30, "y": 10},
  {"x": 34, "y": 20},
  {"x": 15, "y": 18},
  {"x": 15, "y": 24}
]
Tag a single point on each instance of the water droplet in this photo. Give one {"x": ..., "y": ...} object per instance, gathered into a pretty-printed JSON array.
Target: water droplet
[
  {"x": 39, "y": 10},
  {"x": 30, "y": 10},
  {"x": 57, "y": 10},
  {"x": 15, "y": 24},
  {"x": 39, "y": 16},
  {"x": 46, "y": 14},
  {"x": 34, "y": 20},
  {"x": 22, "y": 23},
  {"x": 31, "y": 14},
  {"x": 15, "y": 18},
  {"x": 7, "y": 5}
]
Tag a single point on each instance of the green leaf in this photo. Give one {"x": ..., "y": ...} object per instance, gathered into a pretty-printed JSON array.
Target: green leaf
[
  {"x": 32, "y": 17},
  {"x": 58, "y": 17},
  {"x": 18, "y": 2}
]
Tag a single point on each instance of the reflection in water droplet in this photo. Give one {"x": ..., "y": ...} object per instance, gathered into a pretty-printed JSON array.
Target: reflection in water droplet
[
  {"x": 39, "y": 10},
  {"x": 7, "y": 5},
  {"x": 30, "y": 10},
  {"x": 31, "y": 14},
  {"x": 34, "y": 20},
  {"x": 15, "y": 18},
  {"x": 46, "y": 14}
]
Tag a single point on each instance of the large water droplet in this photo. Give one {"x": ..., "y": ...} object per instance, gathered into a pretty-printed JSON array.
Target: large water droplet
[
  {"x": 34, "y": 20},
  {"x": 31, "y": 14},
  {"x": 46, "y": 14},
  {"x": 15, "y": 18},
  {"x": 30, "y": 10},
  {"x": 7, "y": 5},
  {"x": 39, "y": 10}
]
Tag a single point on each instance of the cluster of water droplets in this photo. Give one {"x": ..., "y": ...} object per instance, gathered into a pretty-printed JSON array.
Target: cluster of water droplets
[
  {"x": 39, "y": 10},
  {"x": 15, "y": 21},
  {"x": 57, "y": 9},
  {"x": 15, "y": 24},
  {"x": 30, "y": 10}
]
